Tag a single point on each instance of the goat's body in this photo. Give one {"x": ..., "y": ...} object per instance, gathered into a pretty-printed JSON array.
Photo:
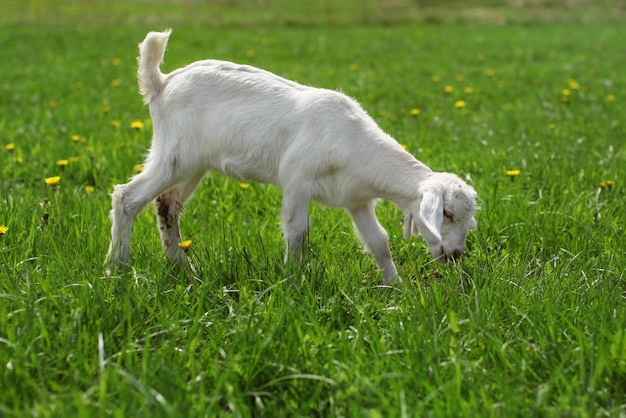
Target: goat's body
[
  {"x": 287, "y": 122},
  {"x": 251, "y": 124}
]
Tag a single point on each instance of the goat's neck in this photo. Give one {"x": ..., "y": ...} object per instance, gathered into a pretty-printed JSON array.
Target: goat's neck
[{"x": 401, "y": 177}]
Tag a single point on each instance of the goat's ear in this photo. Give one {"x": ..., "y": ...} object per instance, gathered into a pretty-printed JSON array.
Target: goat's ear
[
  {"x": 408, "y": 221},
  {"x": 431, "y": 213},
  {"x": 473, "y": 224}
]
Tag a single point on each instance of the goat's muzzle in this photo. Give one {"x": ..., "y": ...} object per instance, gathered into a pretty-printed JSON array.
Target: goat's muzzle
[{"x": 446, "y": 257}]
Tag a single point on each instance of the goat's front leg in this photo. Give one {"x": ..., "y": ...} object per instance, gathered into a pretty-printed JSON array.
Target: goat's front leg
[
  {"x": 295, "y": 225},
  {"x": 374, "y": 239}
]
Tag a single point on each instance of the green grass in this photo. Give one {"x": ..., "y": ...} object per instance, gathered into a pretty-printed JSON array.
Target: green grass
[
  {"x": 308, "y": 13},
  {"x": 531, "y": 322}
]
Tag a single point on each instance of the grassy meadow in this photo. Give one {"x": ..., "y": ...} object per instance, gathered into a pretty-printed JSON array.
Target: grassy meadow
[{"x": 530, "y": 322}]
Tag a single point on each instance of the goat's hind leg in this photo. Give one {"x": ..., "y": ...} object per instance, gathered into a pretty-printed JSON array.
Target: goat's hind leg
[
  {"x": 128, "y": 200},
  {"x": 169, "y": 207}
]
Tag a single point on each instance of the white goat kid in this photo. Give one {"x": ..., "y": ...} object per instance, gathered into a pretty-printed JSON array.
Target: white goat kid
[{"x": 314, "y": 144}]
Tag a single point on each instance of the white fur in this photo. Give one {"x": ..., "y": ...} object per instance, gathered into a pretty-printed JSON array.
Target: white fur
[{"x": 313, "y": 143}]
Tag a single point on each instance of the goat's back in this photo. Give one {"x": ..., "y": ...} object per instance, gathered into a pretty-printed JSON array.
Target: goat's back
[{"x": 252, "y": 119}]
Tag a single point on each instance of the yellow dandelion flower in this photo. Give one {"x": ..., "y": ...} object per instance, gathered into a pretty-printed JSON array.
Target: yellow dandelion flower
[
  {"x": 573, "y": 84},
  {"x": 116, "y": 124},
  {"x": 89, "y": 189},
  {"x": 185, "y": 245},
  {"x": 116, "y": 83},
  {"x": 137, "y": 125},
  {"x": 448, "y": 89},
  {"x": 610, "y": 184},
  {"x": 53, "y": 181},
  {"x": 415, "y": 112},
  {"x": 459, "y": 104},
  {"x": 551, "y": 126},
  {"x": 3, "y": 229},
  {"x": 244, "y": 186},
  {"x": 602, "y": 184},
  {"x": 250, "y": 53},
  {"x": 468, "y": 90},
  {"x": 565, "y": 92},
  {"x": 116, "y": 62},
  {"x": 106, "y": 108},
  {"x": 10, "y": 147},
  {"x": 354, "y": 67},
  {"x": 89, "y": 148},
  {"x": 73, "y": 159},
  {"x": 62, "y": 163},
  {"x": 436, "y": 79},
  {"x": 404, "y": 147},
  {"x": 490, "y": 72},
  {"x": 138, "y": 167},
  {"x": 610, "y": 97},
  {"x": 512, "y": 173},
  {"x": 52, "y": 105},
  {"x": 75, "y": 138},
  {"x": 19, "y": 159}
]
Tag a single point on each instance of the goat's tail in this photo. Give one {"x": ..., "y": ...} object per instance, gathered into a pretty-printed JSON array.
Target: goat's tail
[{"x": 151, "y": 52}]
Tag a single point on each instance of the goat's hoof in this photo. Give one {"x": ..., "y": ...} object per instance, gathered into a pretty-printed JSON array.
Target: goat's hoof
[
  {"x": 112, "y": 267},
  {"x": 392, "y": 280}
]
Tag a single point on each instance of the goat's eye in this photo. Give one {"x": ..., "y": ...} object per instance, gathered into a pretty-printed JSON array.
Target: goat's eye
[{"x": 448, "y": 215}]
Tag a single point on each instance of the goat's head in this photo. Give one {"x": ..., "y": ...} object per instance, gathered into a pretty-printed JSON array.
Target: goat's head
[{"x": 442, "y": 215}]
